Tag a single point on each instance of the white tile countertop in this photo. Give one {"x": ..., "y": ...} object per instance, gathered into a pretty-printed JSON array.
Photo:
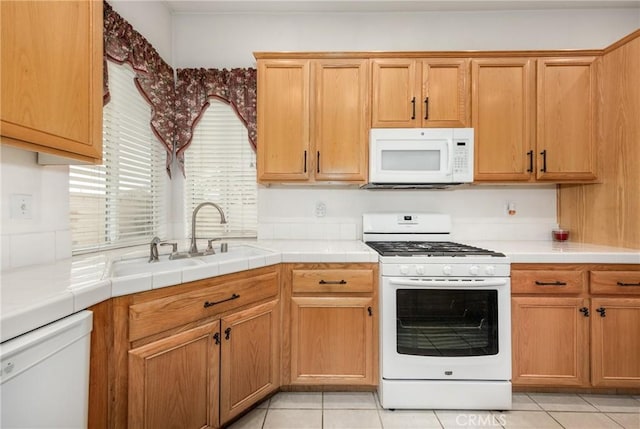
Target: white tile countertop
[
  {"x": 567, "y": 252},
  {"x": 34, "y": 296},
  {"x": 37, "y": 295}
]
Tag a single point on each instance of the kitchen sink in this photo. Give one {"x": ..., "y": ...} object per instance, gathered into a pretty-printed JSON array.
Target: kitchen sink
[
  {"x": 237, "y": 251},
  {"x": 128, "y": 267}
]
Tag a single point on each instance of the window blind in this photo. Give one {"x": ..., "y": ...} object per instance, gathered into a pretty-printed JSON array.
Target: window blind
[
  {"x": 122, "y": 201},
  {"x": 220, "y": 167}
]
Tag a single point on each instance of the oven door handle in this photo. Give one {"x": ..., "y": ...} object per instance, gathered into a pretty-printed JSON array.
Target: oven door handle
[{"x": 449, "y": 283}]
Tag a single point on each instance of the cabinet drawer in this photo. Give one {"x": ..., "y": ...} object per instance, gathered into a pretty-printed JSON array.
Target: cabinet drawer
[
  {"x": 615, "y": 282},
  {"x": 333, "y": 280},
  {"x": 155, "y": 316},
  {"x": 547, "y": 281}
]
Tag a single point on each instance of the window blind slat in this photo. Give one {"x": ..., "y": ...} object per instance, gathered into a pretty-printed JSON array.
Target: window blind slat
[
  {"x": 220, "y": 167},
  {"x": 121, "y": 202}
]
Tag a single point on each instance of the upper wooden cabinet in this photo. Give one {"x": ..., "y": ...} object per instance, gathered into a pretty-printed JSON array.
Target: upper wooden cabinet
[
  {"x": 523, "y": 134},
  {"x": 283, "y": 120},
  {"x": 313, "y": 120},
  {"x": 502, "y": 95},
  {"x": 566, "y": 124},
  {"x": 51, "y": 59},
  {"x": 419, "y": 93}
]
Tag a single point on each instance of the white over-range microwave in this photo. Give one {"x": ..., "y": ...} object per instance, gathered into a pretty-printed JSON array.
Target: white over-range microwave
[{"x": 420, "y": 157}]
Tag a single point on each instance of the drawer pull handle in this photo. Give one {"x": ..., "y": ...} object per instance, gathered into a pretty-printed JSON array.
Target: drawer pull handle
[
  {"x": 333, "y": 282},
  {"x": 556, "y": 283},
  {"x": 628, "y": 284},
  {"x": 208, "y": 304}
]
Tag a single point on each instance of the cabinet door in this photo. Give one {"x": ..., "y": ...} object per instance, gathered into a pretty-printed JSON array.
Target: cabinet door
[
  {"x": 502, "y": 112},
  {"x": 250, "y": 359},
  {"x": 615, "y": 342},
  {"x": 445, "y": 93},
  {"x": 340, "y": 117},
  {"x": 550, "y": 341},
  {"x": 52, "y": 76},
  {"x": 566, "y": 115},
  {"x": 332, "y": 340},
  {"x": 173, "y": 382},
  {"x": 283, "y": 120},
  {"x": 396, "y": 91}
]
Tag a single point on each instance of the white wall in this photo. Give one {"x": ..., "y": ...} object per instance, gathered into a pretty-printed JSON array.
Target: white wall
[
  {"x": 152, "y": 19},
  {"x": 229, "y": 40}
]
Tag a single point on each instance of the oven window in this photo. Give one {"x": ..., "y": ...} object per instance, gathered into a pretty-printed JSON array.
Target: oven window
[{"x": 441, "y": 322}]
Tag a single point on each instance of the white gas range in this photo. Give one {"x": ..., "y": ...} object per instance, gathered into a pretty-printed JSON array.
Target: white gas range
[{"x": 445, "y": 320}]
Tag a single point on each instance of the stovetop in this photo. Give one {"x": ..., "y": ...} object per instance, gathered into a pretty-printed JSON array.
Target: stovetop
[{"x": 429, "y": 249}]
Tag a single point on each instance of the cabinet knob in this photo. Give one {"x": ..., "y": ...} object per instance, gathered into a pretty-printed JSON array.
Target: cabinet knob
[
  {"x": 585, "y": 311},
  {"x": 227, "y": 333},
  {"x": 602, "y": 311}
]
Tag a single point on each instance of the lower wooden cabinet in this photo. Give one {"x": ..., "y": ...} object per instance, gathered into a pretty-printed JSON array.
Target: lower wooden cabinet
[
  {"x": 550, "y": 341},
  {"x": 330, "y": 330},
  {"x": 207, "y": 375},
  {"x": 194, "y": 355},
  {"x": 576, "y": 325},
  {"x": 615, "y": 342},
  {"x": 249, "y": 363},
  {"x": 173, "y": 382},
  {"x": 331, "y": 340}
]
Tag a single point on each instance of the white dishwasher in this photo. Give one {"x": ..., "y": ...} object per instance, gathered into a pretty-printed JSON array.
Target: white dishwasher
[{"x": 45, "y": 375}]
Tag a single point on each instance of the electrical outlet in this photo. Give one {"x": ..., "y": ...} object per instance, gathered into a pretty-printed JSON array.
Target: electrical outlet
[
  {"x": 321, "y": 209},
  {"x": 21, "y": 206}
]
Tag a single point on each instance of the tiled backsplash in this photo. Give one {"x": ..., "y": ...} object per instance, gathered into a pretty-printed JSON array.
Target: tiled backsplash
[
  {"x": 309, "y": 229},
  {"x": 20, "y": 250},
  {"x": 470, "y": 229}
]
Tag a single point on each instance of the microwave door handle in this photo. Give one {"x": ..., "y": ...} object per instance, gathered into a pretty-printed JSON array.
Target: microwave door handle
[{"x": 450, "y": 160}]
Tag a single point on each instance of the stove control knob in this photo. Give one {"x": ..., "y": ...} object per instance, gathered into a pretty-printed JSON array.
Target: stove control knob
[
  {"x": 420, "y": 270},
  {"x": 474, "y": 270},
  {"x": 404, "y": 269},
  {"x": 447, "y": 270},
  {"x": 490, "y": 270}
]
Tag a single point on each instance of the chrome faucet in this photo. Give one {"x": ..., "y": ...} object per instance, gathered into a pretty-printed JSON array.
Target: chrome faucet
[
  {"x": 193, "y": 249},
  {"x": 153, "y": 249}
]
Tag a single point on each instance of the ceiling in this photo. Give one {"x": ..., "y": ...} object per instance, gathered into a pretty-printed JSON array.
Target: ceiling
[{"x": 279, "y": 6}]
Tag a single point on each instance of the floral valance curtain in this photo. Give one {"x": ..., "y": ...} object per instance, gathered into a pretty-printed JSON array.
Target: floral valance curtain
[
  {"x": 194, "y": 88},
  {"x": 154, "y": 77}
]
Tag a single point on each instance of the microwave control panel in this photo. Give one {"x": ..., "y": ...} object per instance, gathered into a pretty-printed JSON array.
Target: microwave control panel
[{"x": 460, "y": 157}]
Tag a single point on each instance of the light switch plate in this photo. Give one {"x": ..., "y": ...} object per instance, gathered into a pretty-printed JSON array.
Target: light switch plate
[{"x": 21, "y": 206}]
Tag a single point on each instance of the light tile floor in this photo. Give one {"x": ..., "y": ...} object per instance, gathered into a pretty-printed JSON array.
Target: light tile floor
[{"x": 355, "y": 410}]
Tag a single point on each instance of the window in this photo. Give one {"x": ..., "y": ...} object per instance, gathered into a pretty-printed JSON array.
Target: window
[
  {"x": 121, "y": 202},
  {"x": 220, "y": 167}
]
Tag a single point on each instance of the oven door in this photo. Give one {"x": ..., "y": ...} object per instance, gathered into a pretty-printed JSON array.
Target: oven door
[{"x": 453, "y": 329}]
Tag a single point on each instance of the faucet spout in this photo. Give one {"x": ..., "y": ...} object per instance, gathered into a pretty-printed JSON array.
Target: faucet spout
[
  {"x": 153, "y": 250},
  {"x": 193, "y": 248}
]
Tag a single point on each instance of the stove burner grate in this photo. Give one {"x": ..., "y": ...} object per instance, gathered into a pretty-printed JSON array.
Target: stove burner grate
[{"x": 428, "y": 248}]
